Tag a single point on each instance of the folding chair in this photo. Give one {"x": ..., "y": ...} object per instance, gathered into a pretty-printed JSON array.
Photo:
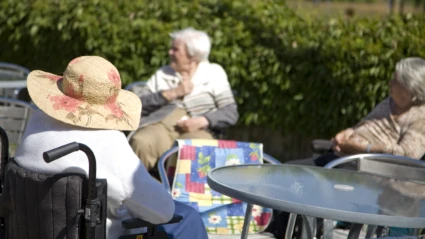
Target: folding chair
[{"x": 222, "y": 215}]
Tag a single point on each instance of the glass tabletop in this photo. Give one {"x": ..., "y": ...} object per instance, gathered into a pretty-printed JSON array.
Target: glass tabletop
[{"x": 327, "y": 193}]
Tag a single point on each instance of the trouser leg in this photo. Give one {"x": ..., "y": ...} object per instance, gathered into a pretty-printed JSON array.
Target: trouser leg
[
  {"x": 191, "y": 226},
  {"x": 200, "y": 134},
  {"x": 150, "y": 142}
]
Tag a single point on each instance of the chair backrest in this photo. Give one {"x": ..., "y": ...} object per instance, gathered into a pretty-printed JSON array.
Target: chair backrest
[
  {"x": 12, "y": 79},
  {"x": 37, "y": 205},
  {"x": 387, "y": 165},
  {"x": 64, "y": 205},
  {"x": 136, "y": 87},
  {"x": 14, "y": 115},
  {"x": 221, "y": 214},
  {"x": 13, "y": 69}
]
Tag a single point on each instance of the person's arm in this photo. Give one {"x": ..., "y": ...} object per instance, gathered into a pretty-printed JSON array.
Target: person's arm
[
  {"x": 153, "y": 99},
  {"x": 212, "y": 120},
  {"x": 343, "y": 142},
  {"x": 341, "y": 136},
  {"x": 223, "y": 117},
  {"x": 353, "y": 146},
  {"x": 411, "y": 144},
  {"x": 145, "y": 197},
  {"x": 227, "y": 111}
]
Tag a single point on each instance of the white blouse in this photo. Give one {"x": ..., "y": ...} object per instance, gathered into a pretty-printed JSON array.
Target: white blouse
[{"x": 132, "y": 192}]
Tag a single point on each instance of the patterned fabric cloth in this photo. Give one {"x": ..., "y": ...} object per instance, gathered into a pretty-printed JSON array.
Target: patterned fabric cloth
[{"x": 221, "y": 214}]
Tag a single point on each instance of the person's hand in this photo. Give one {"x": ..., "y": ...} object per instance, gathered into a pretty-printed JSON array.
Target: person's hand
[
  {"x": 185, "y": 87},
  {"x": 340, "y": 138},
  {"x": 192, "y": 124},
  {"x": 344, "y": 135},
  {"x": 351, "y": 146}
]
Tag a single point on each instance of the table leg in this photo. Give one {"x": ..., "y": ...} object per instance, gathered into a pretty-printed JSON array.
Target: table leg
[
  {"x": 417, "y": 232},
  {"x": 308, "y": 227},
  {"x": 371, "y": 230},
  {"x": 328, "y": 229},
  {"x": 246, "y": 222},
  {"x": 355, "y": 231},
  {"x": 291, "y": 225},
  {"x": 381, "y": 231}
]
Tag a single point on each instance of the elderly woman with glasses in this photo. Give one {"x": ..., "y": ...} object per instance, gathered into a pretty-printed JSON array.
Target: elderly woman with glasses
[
  {"x": 396, "y": 125},
  {"x": 189, "y": 98}
]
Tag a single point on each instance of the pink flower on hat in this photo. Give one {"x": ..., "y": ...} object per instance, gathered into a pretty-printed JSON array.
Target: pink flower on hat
[
  {"x": 65, "y": 102},
  {"x": 112, "y": 105},
  {"x": 81, "y": 78},
  {"x": 114, "y": 77}
]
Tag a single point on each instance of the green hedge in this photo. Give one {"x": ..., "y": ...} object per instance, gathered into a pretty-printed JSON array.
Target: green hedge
[{"x": 304, "y": 76}]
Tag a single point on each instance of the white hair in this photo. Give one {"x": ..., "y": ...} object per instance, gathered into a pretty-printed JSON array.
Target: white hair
[
  {"x": 198, "y": 44},
  {"x": 410, "y": 72}
]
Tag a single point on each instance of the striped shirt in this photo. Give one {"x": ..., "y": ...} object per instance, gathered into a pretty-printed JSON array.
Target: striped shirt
[{"x": 211, "y": 96}]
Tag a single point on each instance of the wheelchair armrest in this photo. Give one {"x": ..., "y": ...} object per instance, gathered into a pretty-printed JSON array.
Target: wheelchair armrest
[
  {"x": 139, "y": 223},
  {"x": 321, "y": 145}
]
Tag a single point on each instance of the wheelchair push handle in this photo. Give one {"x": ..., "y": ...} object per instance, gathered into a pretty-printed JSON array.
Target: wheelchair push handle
[
  {"x": 56, "y": 153},
  {"x": 61, "y": 151}
]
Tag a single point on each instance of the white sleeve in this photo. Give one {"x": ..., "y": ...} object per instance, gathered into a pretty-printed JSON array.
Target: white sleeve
[
  {"x": 220, "y": 83},
  {"x": 145, "y": 197},
  {"x": 152, "y": 82}
]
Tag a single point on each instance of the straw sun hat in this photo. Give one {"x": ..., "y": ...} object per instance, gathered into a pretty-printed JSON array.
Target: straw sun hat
[{"x": 88, "y": 94}]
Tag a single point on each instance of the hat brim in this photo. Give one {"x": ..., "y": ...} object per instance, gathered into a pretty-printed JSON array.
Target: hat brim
[{"x": 122, "y": 114}]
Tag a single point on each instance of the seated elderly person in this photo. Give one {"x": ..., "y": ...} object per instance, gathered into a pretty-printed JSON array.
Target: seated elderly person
[
  {"x": 87, "y": 105},
  {"x": 396, "y": 125},
  {"x": 190, "y": 98}
]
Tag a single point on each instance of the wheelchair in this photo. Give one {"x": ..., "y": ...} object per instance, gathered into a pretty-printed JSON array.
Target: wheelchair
[{"x": 64, "y": 205}]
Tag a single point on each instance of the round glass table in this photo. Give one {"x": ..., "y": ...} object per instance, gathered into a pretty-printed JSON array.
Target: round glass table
[{"x": 325, "y": 193}]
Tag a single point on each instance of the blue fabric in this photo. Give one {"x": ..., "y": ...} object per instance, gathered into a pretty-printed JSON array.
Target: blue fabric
[
  {"x": 397, "y": 232},
  {"x": 191, "y": 226}
]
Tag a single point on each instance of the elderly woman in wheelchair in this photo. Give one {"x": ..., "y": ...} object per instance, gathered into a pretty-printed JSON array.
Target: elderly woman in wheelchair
[
  {"x": 87, "y": 105},
  {"x": 396, "y": 125}
]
